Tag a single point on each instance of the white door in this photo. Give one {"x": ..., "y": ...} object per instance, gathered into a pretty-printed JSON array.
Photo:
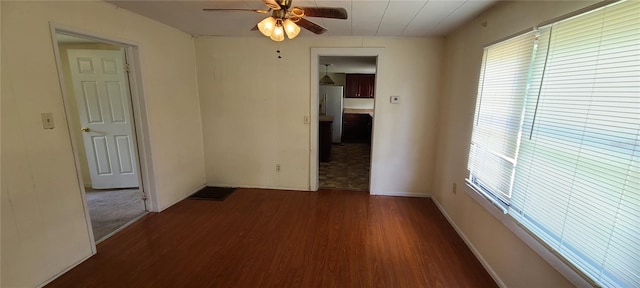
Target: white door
[{"x": 104, "y": 106}]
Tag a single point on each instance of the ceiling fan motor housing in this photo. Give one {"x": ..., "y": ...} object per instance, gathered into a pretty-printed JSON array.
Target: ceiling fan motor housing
[
  {"x": 272, "y": 4},
  {"x": 279, "y": 14}
]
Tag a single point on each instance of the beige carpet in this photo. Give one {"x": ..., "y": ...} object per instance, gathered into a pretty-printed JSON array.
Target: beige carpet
[{"x": 112, "y": 209}]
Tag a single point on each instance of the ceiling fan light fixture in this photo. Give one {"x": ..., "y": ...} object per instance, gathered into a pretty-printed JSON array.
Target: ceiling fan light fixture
[
  {"x": 296, "y": 12},
  {"x": 291, "y": 28},
  {"x": 267, "y": 26},
  {"x": 288, "y": 19},
  {"x": 278, "y": 32}
]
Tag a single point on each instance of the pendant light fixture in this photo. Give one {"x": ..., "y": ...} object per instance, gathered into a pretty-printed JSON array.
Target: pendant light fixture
[{"x": 326, "y": 79}]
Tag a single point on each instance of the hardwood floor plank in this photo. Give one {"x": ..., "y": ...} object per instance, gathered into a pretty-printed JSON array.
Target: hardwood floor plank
[{"x": 273, "y": 238}]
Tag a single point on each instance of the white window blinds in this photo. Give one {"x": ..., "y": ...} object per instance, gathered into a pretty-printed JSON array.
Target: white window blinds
[
  {"x": 503, "y": 80},
  {"x": 576, "y": 173}
]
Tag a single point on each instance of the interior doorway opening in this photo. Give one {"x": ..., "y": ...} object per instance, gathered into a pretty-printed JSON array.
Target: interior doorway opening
[
  {"x": 100, "y": 114},
  {"x": 360, "y": 69},
  {"x": 346, "y": 111}
]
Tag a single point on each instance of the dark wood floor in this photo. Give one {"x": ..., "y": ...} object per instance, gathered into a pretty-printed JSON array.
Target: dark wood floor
[{"x": 272, "y": 238}]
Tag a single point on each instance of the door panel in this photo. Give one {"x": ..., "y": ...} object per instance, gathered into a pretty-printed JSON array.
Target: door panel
[
  {"x": 109, "y": 66},
  {"x": 104, "y": 109},
  {"x": 124, "y": 154},
  {"x": 101, "y": 150},
  {"x": 85, "y": 65},
  {"x": 92, "y": 101},
  {"x": 116, "y": 103}
]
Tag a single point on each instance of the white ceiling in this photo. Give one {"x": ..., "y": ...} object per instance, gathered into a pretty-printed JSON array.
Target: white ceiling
[
  {"x": 366, "y": 17},
  {"x": 348, "y": 64}
]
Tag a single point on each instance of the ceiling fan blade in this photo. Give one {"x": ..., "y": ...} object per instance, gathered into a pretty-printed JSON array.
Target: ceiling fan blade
[
  {"x": 236, "y": 10},
  {"x": 255, "y": 28},
  {"x": 272, "y": 4},
  {"x": 325, "y": 12},
  {"x": 313, "y": 27}
]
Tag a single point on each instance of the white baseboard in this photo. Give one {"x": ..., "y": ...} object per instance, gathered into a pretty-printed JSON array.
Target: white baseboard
[
  {"x": 180, "y": 199},
  {"x": 64, "y": 271},
  {"x": 473, "y": 249},
  {"x": 305, "y": 189},
  {"x": 403, "y": 194},
  {"x": 394, "y": 194}
]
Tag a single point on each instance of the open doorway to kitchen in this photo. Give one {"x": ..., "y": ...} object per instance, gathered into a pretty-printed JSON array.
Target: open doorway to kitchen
[
  {"x": 99, "y": 110},
  {"x": 346, "y": 107},
  {"x": 343, "y": 92}
]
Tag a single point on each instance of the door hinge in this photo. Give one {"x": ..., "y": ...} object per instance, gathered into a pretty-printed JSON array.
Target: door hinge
[
  {"x": 144, "y": 196},
  {"x": 127, "y": 67}
]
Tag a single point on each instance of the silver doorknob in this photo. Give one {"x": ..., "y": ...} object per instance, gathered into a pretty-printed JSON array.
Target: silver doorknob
[{"x": 84, "y": 129}]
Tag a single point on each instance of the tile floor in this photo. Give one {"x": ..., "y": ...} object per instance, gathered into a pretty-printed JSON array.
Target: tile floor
[{"x": 348, "y": 168}]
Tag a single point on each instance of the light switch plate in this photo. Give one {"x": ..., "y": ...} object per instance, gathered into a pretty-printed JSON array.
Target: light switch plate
[
  {"x": 394, "y": 99},
  {"x": 47, "y": 120}
]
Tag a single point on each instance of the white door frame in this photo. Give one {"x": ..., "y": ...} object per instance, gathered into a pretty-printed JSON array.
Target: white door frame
[
  {"x": 314, "y": 111},
  {"x": 146, "y": 175}
]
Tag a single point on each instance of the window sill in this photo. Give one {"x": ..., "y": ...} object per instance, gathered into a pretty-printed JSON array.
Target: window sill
[
  {"x": 496, "y": 203},
  {"x": 499, "y": 211}
]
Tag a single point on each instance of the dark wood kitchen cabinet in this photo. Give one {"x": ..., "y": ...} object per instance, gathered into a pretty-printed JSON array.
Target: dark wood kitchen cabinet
[
  {"x": 324, "y": 138},
  {"x": 356, "y": 128},
  {"x": 352, "y": 85},
  {"x": 360, "y": 85}
]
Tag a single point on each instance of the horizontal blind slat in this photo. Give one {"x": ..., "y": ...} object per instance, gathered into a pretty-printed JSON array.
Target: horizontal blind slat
[{"x": 577, "y": 179}]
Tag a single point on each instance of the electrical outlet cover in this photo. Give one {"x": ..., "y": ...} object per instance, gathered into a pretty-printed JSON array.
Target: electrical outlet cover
[{"x": 47, "y": 120}]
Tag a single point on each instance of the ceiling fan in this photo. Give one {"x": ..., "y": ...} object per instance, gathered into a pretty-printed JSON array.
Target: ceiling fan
[{"x": 287, "y": 19}]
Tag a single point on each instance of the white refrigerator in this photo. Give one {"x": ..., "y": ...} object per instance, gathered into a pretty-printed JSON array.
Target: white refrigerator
[{"x": 331, "y": 101}]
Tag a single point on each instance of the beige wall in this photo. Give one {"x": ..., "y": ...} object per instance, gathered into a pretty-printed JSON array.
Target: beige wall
[
  {"x": 512, "y": 260},
  {"x": 253, "y": 107},
  {"x": 43, "y": 223}
]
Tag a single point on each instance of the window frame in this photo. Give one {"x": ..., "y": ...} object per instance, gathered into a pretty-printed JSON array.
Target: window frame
[{"x": 499, "y": 208}]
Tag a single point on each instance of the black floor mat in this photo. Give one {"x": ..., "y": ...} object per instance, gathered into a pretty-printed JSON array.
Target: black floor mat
[{"x": 212, "y": 193}]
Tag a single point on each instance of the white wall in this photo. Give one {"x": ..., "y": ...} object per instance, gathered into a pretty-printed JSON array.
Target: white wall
[
  {"x": 356, "y": 103},
  {"x": 43, "y": 223},
  {"x": 512, "y": 260},
  {"x": 253, "y": 107}
]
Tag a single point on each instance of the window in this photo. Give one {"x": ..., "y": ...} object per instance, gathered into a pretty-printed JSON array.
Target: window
[
  {"x": 556, "y": 138},
  {"x": 497, "y": 119}
]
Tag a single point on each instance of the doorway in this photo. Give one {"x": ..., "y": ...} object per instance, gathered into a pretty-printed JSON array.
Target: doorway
[
  {"x": 100, "y": 116},
  {"x": 352, "y": 165},
  {"x": 346, "y": 105}
]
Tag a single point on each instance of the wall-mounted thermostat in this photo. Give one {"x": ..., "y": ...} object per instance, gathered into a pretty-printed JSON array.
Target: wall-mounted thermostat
[{"x": 395, "y": 99}]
